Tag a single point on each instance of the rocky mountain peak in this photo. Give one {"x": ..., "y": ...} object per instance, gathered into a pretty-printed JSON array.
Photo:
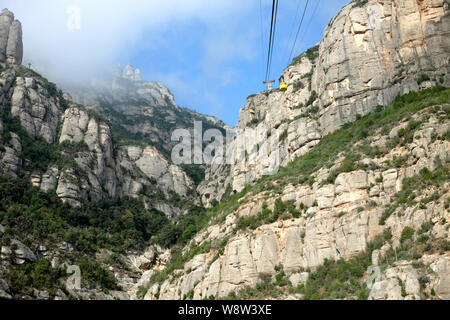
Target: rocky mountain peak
[
  {"x": 130, "y": 74},
  {"x": 11, "y": 46}
]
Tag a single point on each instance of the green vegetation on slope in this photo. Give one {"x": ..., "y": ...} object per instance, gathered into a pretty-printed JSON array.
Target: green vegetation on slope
[
  {"x": 40, "y": 153},
  {"x": 406, "y": 197},
  {"x": 35, "y": 217},
  {"x": 311, "y": 54},
  {"x": 346, "y": 279},
  {"x": 323, "y": 154},
  {"x": 344, "y": 140},
  {"x": 116, "y": 224},
  {"x": 135, "y": 128},
  {"x": 359, "y": 3}
]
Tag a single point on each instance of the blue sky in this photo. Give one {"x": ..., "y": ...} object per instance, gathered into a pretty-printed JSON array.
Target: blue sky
[{"x": 210, "y": 54}]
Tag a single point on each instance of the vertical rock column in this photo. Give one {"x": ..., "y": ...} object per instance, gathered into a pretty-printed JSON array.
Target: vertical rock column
[
  {"x": 11, "y": 46},
  {"x": 6, "y": 19}
]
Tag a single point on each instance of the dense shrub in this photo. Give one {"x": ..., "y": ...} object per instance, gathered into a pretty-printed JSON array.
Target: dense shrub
[
  {"x": 422, "y": 78},
  {"x": 407, "y": 234},
  {"x": 117, "y": 224},
  {"x": 37, "y": 275},
  {"x": 359, "y": 3}
]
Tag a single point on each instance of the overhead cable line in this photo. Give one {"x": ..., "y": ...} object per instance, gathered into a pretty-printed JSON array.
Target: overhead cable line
[
  {"x": 298, "y": 31},
  {"x": 273, "y": 36},
  {"x": 262, "y": 32},
  {"x": 310, "y": 20},
  {"x": 270, "y": 40},
  {"x": 294, "y": 21}
]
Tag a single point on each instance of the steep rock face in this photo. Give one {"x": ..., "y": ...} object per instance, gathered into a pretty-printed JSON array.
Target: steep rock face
[
  {"x": 111, "y": 172},
  {"x": 371, "y": 54},
  {"x": 11, "y": 47},
  {"x": 6, "y": 81},
  {"x": 98, "y": 161},
  {"x": 10, "y": 161},
  {"x": 368, "y": 56},
  {"x": 38, "y": 111},
  {"x": 340, "y": 219},
  {"x": 146, "y": 110},
  {"x": 216, "y": 182}
]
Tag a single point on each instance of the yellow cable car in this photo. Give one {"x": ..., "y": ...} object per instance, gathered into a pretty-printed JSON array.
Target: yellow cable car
[{"x": 283, "y": 86}]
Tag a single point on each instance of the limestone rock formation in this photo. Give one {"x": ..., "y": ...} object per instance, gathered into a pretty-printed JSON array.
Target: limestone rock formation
[
  {"x": 11, "y": 46},
  {"x": 4, "y": 290},
  {"x": 390, "y": 288},
  {"x": 368, "y": 55},
  {"x": 340, "y": 219},
  {"x": 113, "y": 171},
  {"x": 130, "y": 74},
  {"x": 372, "y": 53},
  {"x": 10, "y": 161},
  {"x": 98, "y": 168},
  {"x": 36, "y": 108},
  {"x": 145, "y": 109}
]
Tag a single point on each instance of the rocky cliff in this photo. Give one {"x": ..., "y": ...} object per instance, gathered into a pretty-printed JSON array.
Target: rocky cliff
[
  {"x": 333, "y": 216},
  {"x": 11, "y": 47},
  {"x": 371, "y": 52},
  {"x": 98, "y": 168},
  {"x": 138, "y": 110}
]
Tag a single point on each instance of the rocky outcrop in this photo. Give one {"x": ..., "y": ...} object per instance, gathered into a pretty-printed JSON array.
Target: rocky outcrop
[
  {"x": 397, "y": 283},
  {"x": 368, "y": 55},
  {"x": 153, "y": 164},
  {"x": 4, "y": 290},
  {"x": 6, "y": 81},
  {"x": 16, "y": 253},
  {"x": 11, "y": 47},
  {"x": 112, "y": 171},
  {"x": 10, "y": 161},
  {"x": 97, "y": 161},
  {"x": 130, "y": 74},
  {"x": 145, "y": 109},
  {"x": 441, "y": 266},
  {"x": 371, "y": 54},
  {"x": 21, "y": 253},
  {"x": 217, "y": 180},
  {"x": 39, "y": 112}
]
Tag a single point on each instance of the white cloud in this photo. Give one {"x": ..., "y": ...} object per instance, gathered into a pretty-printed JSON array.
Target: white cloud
[{"x": 111, "y": 30}]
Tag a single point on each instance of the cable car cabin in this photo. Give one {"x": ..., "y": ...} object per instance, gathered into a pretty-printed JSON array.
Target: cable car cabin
[{"x": 283, "y": 86}]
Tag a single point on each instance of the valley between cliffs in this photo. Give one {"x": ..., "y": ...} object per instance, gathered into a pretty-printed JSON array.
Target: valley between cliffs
[{"x": 359, "y": 209}]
